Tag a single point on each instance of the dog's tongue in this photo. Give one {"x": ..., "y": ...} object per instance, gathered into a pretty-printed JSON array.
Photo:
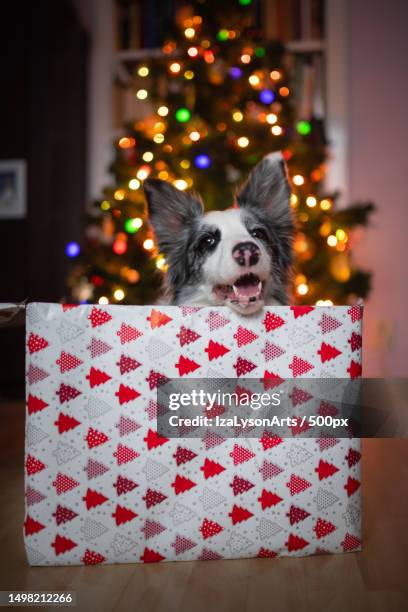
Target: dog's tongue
[{"x": 243, "y": 292}]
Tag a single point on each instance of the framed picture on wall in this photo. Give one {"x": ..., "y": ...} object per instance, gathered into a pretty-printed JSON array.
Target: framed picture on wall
[{"x": 13, "y": 192}]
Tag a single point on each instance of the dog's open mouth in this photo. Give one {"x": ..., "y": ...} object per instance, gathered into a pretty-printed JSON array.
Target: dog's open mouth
[{"x": 247, "y": 289}]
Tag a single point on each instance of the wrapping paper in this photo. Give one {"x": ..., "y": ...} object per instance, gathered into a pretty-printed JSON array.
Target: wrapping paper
[{"x": 103, "y": 487}]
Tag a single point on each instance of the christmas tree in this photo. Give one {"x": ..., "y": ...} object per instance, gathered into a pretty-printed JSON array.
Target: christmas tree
[{"x": 219, "y": 98}]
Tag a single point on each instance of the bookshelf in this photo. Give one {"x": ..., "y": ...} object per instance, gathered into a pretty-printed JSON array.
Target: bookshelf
[{"x": 313, "y": 31}]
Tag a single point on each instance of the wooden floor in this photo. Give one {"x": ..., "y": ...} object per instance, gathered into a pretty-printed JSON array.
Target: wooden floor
[{"x": 374, "y": 580}]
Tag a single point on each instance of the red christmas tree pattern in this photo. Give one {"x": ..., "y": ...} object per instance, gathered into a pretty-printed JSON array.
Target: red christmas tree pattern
[
  {"x": 323, "y": 528},
  {"x": 243, "y": 366},
  {"x": 152, "y": 498},
  {"x": 298, "y": 428},
  {"x": 326, "y": 409},
  {"x": 325, "y": 469},
  {"x": 328, "y": 352},
  {"x": 97, "y": 377},
  {"x": 62, "y": 545},
  {"x": 268, "y": 499},
  {"x": 238, "y": 514},
  {"x": 124, "y": 485},
  {"x": 182, "y": 544},
  {"x": 211, "y": 468},
  {"x": 215, "y": 350},
  {"x": 271, "y": 380},
  {"x": 35, "y": 374},
  {"x": 66, "y": 423},
  {"x": 127, "y": 333},
  {"x": 241, "y": 454},
  {"x": 124, "y": 454},
  {"x": 153, "y": 440},
  {"x": 297, "y": 484},
  {"x": 299, "y": 396},
  {"x": 152, "y": 528},
  {"x": 353, "y": 457},
  {"x": 33, "y": 496},
  {"x": 67, "y": 362},
  {"x": 295, "y": 543},
  {"x": 67, "y": 393},
  {"x": 296, "y": 515},
  {"x": 265, "y": 553},
  {"x": 210, "y": 528},
  {"x": 244, "y": 336},
  {"x": 127, "y": 364},
  {"x": 184, "y": 455},
  {"x": 186, "y": 365},
  {"x": 66, "y": 307},
  {"x": 271, "y": 351},
  {"x": 31, "y": 526},
  {"x": 187, "y": 336},
  {"x": 355, "y": 341},
  {"x": 240, "y": 485},
  {"x": 216, "y": 320},
  {"x": 93, "y": 499},
  {"x": 354, "y": 369},
  {"x": 350, "y": 542},
  {"x": 98, "y": 347},
  {"x": 63, "y": 514},
  {"x": 326, "y": 442},
  {"x": 126, "y": 426},
  {"x": 328, "y": 323},
  {"x": 157, "y": 319},
  {"x": 123, "y": 515},
  {"x": 94, "y": 469},
  {"x": 95, "y": 438},
  {"x": 64, "y": 483},
  {"x": 99, "y": 317},
  {"x": 126, "y": 394},
  {"x": 300, "y": 366},
  {"x": 356, "y": 313},
  {"x": 33, "y": 465},
  {"x": 150, "y": 556},
  {"x": 269, "y": 470},
  {"x": 300, "y": 311},
  {"x": 182, "y": 484},
  {"x": 92, "y": 558},
  {"x": 35, "y": 404},
  {"x": 269, "y": 440},
  {"x": 272, "y": 321},
  {"x": 209, "y": 555},
  {"x": 36, "y": 343},
  {"x": 155, "y": 379},
  {"x": 352, "y": 486}
]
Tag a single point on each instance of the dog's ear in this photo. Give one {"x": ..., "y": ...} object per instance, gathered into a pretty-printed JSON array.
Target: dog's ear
[
  {"x": 170, "y": 211},
  {"x": 268, "y": 188}
]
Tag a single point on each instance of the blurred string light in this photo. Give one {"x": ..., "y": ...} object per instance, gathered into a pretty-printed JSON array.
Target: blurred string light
[
  {"x": 180, "y": 184},
  {"x": 192, "y": 51},
  {"x": 182, "y": 115},
  {"x": 266, "y": 96},
  {"x": 189, "y": 74},
  {"x": 119, "y": 295},
  {"x": 119, "y": 194},
  {"x": 243, "y": 142},
  {"x": 194, "y": 136},
  {"x": 245, "y": 58},
  {"x": 72, "y": 249},
  {"x": 222, "y": 35},
  {"x": 298, "y": 180},
  {"x": 161, "y": 263},
  {"x": 254, "y": 80},
  {"x": 302, "y": 289},
  {"x": 244, "y": 2},
  {"x": 235, "y": 72},
  {"x": 142, "y": 94},
  {"x": 237, "y": 116},
  {"x": 163, "y": 111},
  {"x": 275, "y": 75},
  {"x": 189, "y": 32},
  {"x": 311, "y": 201},
  {"x": 324, "y": 303},
  {"x": 148, "y": 244},
  {"x": 332, "y": 240},
  {"x": 185, "y": 164},
  {"x": 103, "y": 300},
  {"x": 303, "y": 127},
  {"x": 119, "y": 246},
  {"x": 143, "y": 71},
  {"x": 133, "y": 225},
  {"x": 202, "y": 161},
  {"x": 126, "y": 142},
  {"x": 325, "y": 204},
  {"x": 271, "y": 118},
  {"x": 175, "y": 67},
  {"x": 147, "y": 156},
  {"x": 276, "y": 130},
  {"x": 105, "y": 205},
  {"x": 284, "y": 92},
  {"x": 158, "y": 138},
  {"x": 134, "y": 184}
]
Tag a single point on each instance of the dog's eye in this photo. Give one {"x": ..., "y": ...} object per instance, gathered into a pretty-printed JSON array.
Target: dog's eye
[
  {"x": 259, "y": 233},
  {"x": 207, "y": 242}
]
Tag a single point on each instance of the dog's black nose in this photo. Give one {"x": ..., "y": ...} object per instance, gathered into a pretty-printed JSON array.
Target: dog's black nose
[{"x": 246, "y": 253}]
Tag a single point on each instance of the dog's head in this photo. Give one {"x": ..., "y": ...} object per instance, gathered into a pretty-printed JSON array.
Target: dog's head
[{"x": 239, "y": 257}]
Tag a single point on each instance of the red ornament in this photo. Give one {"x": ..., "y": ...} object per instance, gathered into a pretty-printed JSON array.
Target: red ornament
[
  {"x": 123, "y": 515},
  {"x": 153, "y": 440},
  {"x": 62, "y": 545},
  {"x": 157, "y": 319},
  {"x": 93, "y": 499},
  {"x": 182, "y": 484},
  {"x": 325, "y": 469},
  {"x": 35, "y": 404},
  {"x": 238, "y": 514},
  {"x": 215, "y": 350},
  {"x": 328, "y": 352},
  {"x": 186, "y": 365},
  {"x": 126, "y": 394},
  {"x": 268, "y": 499},
  {"x": 211, "y": 468},
  {"x": 97, "y": 377}
]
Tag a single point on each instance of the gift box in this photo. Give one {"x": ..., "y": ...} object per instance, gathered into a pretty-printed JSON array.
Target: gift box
[{"x": 103, "y": 486}]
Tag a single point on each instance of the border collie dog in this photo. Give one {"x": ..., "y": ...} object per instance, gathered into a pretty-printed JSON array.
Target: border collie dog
[{"x": 239, "y": 257}]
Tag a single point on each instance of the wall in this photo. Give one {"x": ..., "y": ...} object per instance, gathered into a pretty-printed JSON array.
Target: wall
[{"x": 378, "y": 170}]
